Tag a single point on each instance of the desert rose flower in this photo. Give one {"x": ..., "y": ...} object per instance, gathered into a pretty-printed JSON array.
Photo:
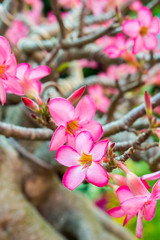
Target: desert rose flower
[
  {"x": 101, "y": 101},
  {"x": 119, "y": 47},
  {"x": 135, "y": 199},
  {"x": 143, "y": 30},
  {"x": 83, "y": 161},
  {"x": 71, "y": 121},
  {"x": 29, "y": 79},
  {"x": 9, "y": 83}
]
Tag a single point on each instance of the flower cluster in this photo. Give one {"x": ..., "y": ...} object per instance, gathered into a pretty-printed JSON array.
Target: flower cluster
[{"x": 77, "y": 127}]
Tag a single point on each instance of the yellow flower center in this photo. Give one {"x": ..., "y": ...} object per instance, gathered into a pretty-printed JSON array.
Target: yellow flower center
[
  {"x": 3, "y": 68},
  {"x": 143, "y": 31},
  {"x": 72, "y": 127},
  {"x": 86, "y": 160}
]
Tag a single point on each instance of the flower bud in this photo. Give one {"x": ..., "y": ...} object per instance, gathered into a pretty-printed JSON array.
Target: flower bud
[
  {"x": 75, "y": 96},
  {"x": 30, "y": 104},
  {"x": 148, "y": 105}
]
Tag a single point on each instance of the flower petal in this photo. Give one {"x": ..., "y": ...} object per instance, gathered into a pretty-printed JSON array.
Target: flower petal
[
  {"x": 156, "y": 191},
  {"x": 112, "y": 51},
  {"x": 39, "y": 72},
  {"x": 99, "y": 150},
  {"x": 155, "y": 26},
  {"x": 151, "y": 176},
  {"x": 67, "y": 156},
  {"x": 5, "y": 45},
  {"x": 116, "y": 212},
  {"x": 95, "y": 128},
  {"x": 138, "y": 45},
  {"x": 2, "y": 94},
  {"x": 145, "y": 16},
  {"x": 97, "y": 175},
  {"x": 150, "y": 41},
  {"x": 58, "y": 139},
  {"x": 124, "y": 193},
  {"x": 22, "y": 70},
  {"x": 131, "y": 28},
  {"x": 120, "y": 40},
  {"x": 133, "y": 205},
  {"x": 149, "y": 210},
  {"x": 85, "y": 109},
  {"x": 139, "y": 227},
  {"x": 73, "y": 177},
  {"x": 61, "y": 110},
  {"x": 84, "y": 142},
  {"x": 13, "y": 85}
]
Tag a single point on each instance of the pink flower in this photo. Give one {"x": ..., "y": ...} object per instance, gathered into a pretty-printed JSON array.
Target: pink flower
[
  {"x": 119, "y": 47},
  {"x": 90, "y": 64},
  {"x": 96, "y": 6},
  {"x": 17, "y": 31},
  {"x": 83, "y": 161},
  {"x": 36, "y": 10},
  {"x": 71, "y": 121},
  {"x": 101, "y": 101},
  {"x": 136, "y": 5},
  {"x": 136, "y": 199},
  {"x": 29, "y": 79},
  {"x": 8, "y": 66},
  {"x": 144, "y": 30}
]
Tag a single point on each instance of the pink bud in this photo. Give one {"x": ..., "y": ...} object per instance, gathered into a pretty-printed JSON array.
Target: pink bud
[
  {"x": 148, "y": 105},
  {"x": 30, "y": 104},
  {"x": 118, "y": 179},
  {"x": 75, "y": 96}
]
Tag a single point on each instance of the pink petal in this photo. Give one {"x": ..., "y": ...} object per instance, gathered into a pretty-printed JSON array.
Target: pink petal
[
  {"x": 67, "y": 156},
  {"x": 133, "y": 205},
  {"x": 131, "y": 28},
  {"x": 155, "y": 26},
  {"x": 156, "y": 191},
  {"x": 5, "y": 45},
  {"x": 61, "y": 110},
  {"x": 99, "y": 150},
  {"x": 120, "y": 40},
  {"x": 151, "y": 176},
  {"x": 73, "y": 177},
  {"x": 116, "y": 212},
  {"x": 145, "y": 16},
  {"x": 84, "y": 142},
  {"x": 11, "y": 64},
  {"x": 150, "y": 41},
  {"x": 22, "y": 70},
  {"x": 139, "y": 227},
  {"x": 149, "y": 210},
  {"x": 95, "y": 128},
  {"x": 13, "y": 85},
  {"x": 2, "y": 94},
  {"x": 85, "y": 109},
  {"x": 97, "y": 175},
  {"x": 112, "y": 51},
  {"x": 138, "y": 45},
  {"x": 39, "y": 72},
  {"x": 124, "y": 193},
  {"x": 136, "y": 186},
  {"x": 58, "y": 139}
]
